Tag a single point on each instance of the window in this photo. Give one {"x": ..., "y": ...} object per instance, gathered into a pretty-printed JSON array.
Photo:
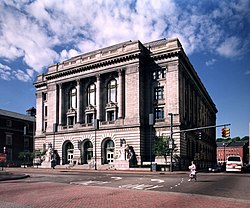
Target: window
[
  {"x": 112, "y": 91},
  {"x": 159, "y": 113},
  {"x": 110, "y": 115},
  {"x": 8, "y": 139},
  {"x": 8, "y": 123},
  {"x": 159, "y": 74},
  {"x": 44, "y": 96},
  {"x": 26, "y": 143},
  {"x": 92, "y": 94},
  {"x": 90, "y": 118},
  {"x": 71, "y": 120},
  {"x": 45, "y": 111},
  {"x": 159, "y": 93},
  {"x": 72, "y": 98}
]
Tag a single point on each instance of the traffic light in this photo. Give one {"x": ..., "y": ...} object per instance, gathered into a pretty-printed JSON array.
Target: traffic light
[{"x": 225, "y": 132}]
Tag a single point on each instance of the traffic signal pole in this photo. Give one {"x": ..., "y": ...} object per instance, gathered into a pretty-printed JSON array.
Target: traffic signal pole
[
  {"x": 186, "y": 130},
  {"x": 200, "y": 128}
]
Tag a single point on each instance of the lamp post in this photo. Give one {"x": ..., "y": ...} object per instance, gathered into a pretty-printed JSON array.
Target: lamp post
[
  {"x": 224, "y": 145},
  {"x": 53, "y": 153},
  {"x": 171, "y": 142},
  {"x": 96, "y": 126},
  {"x": 150, "y": 122}
]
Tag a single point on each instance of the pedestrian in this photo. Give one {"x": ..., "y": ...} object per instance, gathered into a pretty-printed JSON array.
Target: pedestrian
[{"x": 192, "y": 174}]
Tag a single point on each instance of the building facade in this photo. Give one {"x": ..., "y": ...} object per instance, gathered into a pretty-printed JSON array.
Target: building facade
[
  {"x": 225, "y": 149},
  {"x": 16, "y": 135},
  {"x": 120, "y": 86}
]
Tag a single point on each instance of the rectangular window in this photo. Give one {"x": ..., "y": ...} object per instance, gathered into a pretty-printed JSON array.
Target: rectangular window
[
  {"x": 159, "y": 113},
  {"x": 159, "y": 93},
  {"x": 90, "y": 118},
  {"x": 26, "y": 143},
  {"x": 71, "y": 120},
  {"x": 8, "y": 139},
  {"x": 45, "y": 111},
  {"x": 44, "y": 96},
  {"x": 110, "y": 115},
  {"x": 8, "y": 123},
  {"x": 159, "y": 74}
]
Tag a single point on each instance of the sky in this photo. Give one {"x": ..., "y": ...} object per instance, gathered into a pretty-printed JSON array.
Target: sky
[{"x": 214, "y": 34}]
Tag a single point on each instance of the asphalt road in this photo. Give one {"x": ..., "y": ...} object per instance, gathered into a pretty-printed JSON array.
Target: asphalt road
[{"x": 230, "y": 185}]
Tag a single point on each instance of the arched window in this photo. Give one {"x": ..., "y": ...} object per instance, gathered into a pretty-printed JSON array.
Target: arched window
[
  {"x": 112, "y": 91},
  {"x": 92, "y": 94},
  {"x": 72, "y": 98}
]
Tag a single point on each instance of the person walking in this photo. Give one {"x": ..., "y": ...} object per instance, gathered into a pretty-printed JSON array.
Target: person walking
[{"x": 192, "y": 174}]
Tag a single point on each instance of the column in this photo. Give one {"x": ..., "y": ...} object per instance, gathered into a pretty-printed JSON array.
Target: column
[
  {"x": 60, "y": 104},
  {"x": 78, "y": 90},
  {"x": 120, "y": 94},
  {"x": 98, "y": 108}
]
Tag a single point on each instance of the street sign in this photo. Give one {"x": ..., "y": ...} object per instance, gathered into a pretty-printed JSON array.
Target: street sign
[{"x": 3, "y": 157}]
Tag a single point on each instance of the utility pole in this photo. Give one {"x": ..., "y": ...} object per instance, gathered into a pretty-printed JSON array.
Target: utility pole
[
  {"x": 171, "y": 141},
  {"x": 96, "y": 126},
  {"x": 151, "y": 122}
]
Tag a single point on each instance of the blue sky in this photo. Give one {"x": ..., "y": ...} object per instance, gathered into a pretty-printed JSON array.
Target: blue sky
[{"x": 215, "y": 35}]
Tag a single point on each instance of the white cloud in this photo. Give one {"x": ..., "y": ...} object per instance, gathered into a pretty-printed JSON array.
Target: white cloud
[
  {"x": 42, "y": 32},
  {"x": 20, "y": 75},
  {"x": 210, "y": 62},
  {"x": 231, "y": 47},
  {"x": 247, "y": 72},
  {"x": 64, "y": 55},
  {"x": 6, "y": 73}
]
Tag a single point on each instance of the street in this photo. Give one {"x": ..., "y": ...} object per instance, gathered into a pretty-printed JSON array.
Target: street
[{"x": 229, "y": 189}]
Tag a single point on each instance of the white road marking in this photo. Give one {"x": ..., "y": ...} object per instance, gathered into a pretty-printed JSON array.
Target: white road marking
[
  {"x": 86, "y": 183},
  {"x": 158, "y": 180},
  {"x": 116, "y": 178}
]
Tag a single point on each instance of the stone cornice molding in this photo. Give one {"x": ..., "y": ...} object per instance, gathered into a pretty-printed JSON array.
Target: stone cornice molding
[{"x": 93, "y": 65}]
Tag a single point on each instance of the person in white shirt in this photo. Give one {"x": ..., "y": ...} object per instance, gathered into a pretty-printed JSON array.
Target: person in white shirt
[{"x": 192, "y": 174}]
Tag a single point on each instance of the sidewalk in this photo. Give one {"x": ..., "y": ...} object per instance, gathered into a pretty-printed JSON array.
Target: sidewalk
[{"x": 5, "y": 175}]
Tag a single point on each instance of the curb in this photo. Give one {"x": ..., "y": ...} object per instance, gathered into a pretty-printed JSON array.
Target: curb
[{"x": 8, "y": 177}]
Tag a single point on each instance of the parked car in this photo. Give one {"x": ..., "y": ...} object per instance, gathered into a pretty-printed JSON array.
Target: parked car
[
  {"x": 234, "y": 163},
  {"x": 215, "y": 168}
]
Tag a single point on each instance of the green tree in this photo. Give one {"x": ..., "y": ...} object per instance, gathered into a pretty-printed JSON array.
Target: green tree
[{"x": 245, "y": 138}]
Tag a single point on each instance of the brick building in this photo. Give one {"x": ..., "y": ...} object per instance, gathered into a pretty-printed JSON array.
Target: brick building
[
  {"x": 16, "y": 134},
  {"x": 120, "y": 86},
  {"x": 225, "y": 149}
]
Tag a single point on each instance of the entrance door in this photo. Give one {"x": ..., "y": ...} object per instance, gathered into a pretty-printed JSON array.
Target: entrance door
[
  {"x": 110, "y": 151},
  {"x": 70, "y": 154},
  {"x": 67, "y": 153},
  {"x": 110, "y": 157}
]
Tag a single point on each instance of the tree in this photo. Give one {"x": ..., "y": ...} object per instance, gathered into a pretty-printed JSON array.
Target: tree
[
  {"x": 245, "y": 138},
  {"x": 161, "y": 146}
]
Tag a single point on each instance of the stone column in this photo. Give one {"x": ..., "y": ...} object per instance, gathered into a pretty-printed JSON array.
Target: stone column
[
  {"x": 78, "y": 90},
  {"x": 60, "y": 104},
  {"x": 120, "y": 94},
  {"x": 98, "y": 99}
]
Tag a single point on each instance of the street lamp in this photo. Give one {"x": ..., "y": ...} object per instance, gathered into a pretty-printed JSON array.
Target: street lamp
[
  {"x": 151, "y": 123},
  {"x": 96, "y": 126},
  {"x": 171, "y": 142},
  {"x": 53, "y": 153}
]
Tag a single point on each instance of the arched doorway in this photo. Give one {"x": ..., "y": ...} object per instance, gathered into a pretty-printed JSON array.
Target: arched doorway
[
  {"x": 87, "y": 152},
  {"x": 108, "y": 151},
  {"x": 68, "y": 152}
]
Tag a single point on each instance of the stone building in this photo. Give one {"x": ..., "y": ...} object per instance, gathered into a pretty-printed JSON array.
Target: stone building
[{"x": 120, "y": 86}]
